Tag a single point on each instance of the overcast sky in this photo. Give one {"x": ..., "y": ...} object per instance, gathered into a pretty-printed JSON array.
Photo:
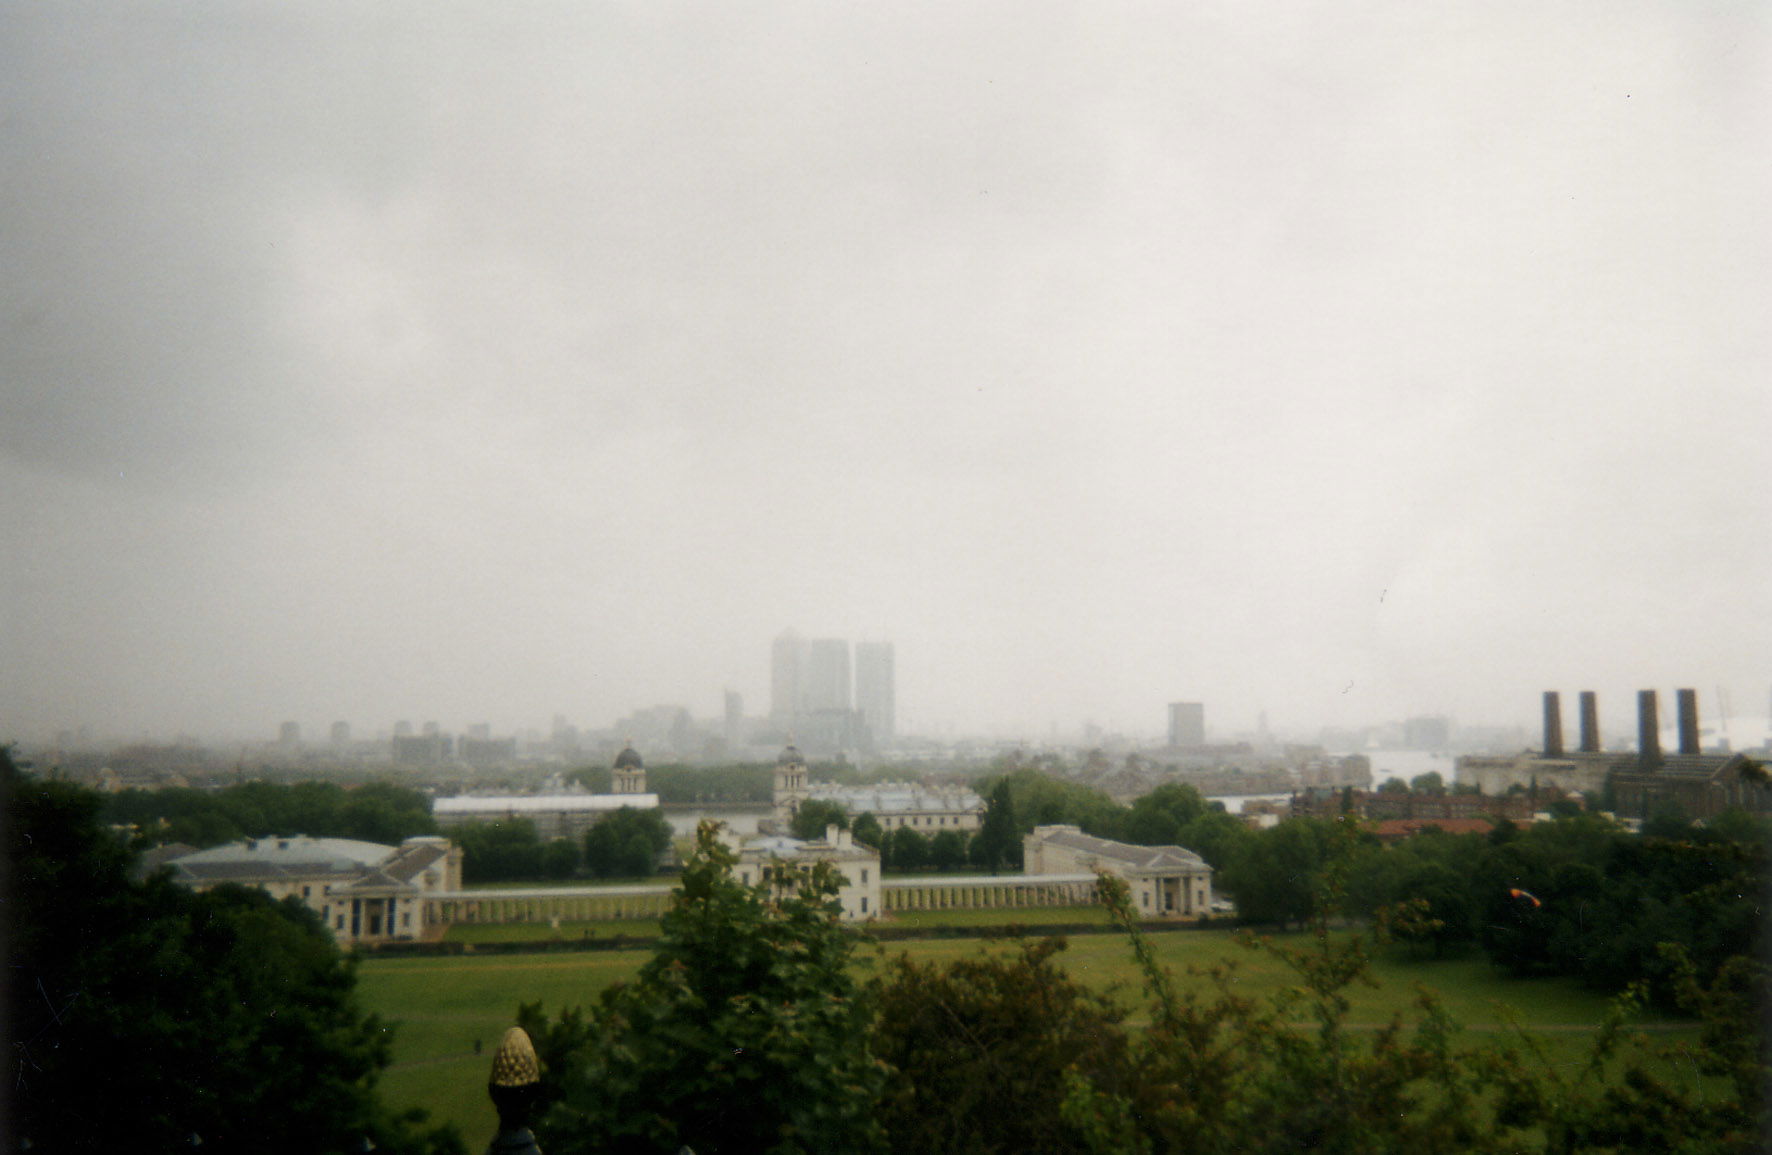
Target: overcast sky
[{"x": 483, "y": 362}]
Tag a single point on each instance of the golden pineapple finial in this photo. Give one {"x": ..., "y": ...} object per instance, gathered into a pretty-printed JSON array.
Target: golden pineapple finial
[{"x": 514, "y": 1063}]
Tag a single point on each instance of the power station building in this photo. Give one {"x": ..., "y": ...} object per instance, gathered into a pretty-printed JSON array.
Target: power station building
[{"x": 1701, "y": 783}]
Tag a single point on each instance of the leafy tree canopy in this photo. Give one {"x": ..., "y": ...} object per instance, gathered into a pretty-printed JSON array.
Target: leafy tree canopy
[
  {"x": 146, "y": 1013},
  {"x": 815, "y": 814},
  {"x": 745, "y": 1031},
  {"x": 626, "y": 843}
]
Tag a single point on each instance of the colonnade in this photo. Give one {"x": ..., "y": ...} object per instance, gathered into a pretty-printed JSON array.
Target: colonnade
[
  {"x": 987, "y": 893},
  {"x": 586, "y": 904},
  {"x": 565, "y": 904}
]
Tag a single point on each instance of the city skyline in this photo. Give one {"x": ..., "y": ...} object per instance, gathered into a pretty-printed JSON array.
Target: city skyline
[{"x": 1346, "y": 363}]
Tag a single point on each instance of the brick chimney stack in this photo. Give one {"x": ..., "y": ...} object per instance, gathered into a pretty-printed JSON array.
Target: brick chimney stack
[
  {"x": 1688, "y": 721},
  {"x": 1648, "y": 731},
  {"x": 1590, "y": 723},
  {"x": 1553, "y": 724}
]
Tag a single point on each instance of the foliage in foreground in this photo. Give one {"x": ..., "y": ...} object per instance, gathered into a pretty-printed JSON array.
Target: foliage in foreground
[
  {"x": 144, "y": 1014},
  {"x": 980, "y": 1049},
  {"x": 745, "y": 1032},
  {"x": 1222, "y": 1073}
]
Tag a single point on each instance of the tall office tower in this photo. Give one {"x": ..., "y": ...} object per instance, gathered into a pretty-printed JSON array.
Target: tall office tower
[
  {"x": 825, "y": 685},
  {"x": 1187, "y": 723},
  {"x": 341, "y": 733},
  {"x": 875, "y": 693},
  {"x": 289, "y": 734},
  {"x": 787, "y": 669},
  {"x": 734, "y": 717}
]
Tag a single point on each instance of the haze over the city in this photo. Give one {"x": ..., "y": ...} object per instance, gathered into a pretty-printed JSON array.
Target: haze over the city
[{"x": 482, "y": 363}]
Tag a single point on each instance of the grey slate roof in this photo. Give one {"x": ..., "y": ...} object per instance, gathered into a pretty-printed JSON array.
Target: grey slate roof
[
  {"x": 284, "y": 860},
  {"x": 411, "y": 860},
  {"x": 1140, "y": 858}
]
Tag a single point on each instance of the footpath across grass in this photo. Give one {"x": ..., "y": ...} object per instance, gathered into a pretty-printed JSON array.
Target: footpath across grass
[{"x": 442, "y": 1007}]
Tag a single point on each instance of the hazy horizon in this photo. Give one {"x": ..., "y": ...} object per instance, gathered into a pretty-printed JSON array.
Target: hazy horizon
[{"x": 481, "y": 364}]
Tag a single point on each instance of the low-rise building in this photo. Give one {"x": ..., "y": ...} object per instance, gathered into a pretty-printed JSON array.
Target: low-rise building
[
  {"x": 925, "y": 809},
  {"x": 1166, "y": 881},
  {"x": 783, "y": 863},
  {"x": 562, "y": 814},
  {"x": 364, "y": 892},
  {"x": 554, "y": 815}
]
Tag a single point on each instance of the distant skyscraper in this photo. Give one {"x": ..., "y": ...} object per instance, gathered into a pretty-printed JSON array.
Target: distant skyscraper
[
  {"x": 289, "y": 734},
  {"x": 825, "y": 684},
  {"x": 875, "y": 688},
  {"x": 341, "y": 733},
  {"x": 787, "y": 670},
  {"x": 1187, "y": 724},
  {"x": 1428, "y": 732},
  {"x": 734, "y": 717}
]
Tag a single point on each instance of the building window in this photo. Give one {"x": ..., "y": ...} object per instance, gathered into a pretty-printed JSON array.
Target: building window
[
  {"x": 406, "y": 920},
  {"x": 864, "y": 879},
  {"x": 1146, "y": 896},
  {"x": 864, "y": 904},
  {"x": 307, "y": 891}
]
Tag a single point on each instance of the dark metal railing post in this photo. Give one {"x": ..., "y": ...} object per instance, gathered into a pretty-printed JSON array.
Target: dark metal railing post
[{"x": 514, "y": 1087}]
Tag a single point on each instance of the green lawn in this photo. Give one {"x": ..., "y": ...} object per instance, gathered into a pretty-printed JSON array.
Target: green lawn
[
  {"x": 1028, "y": 916},
  {"x": 472, "y": 932},
  {"x": 443, "y": 1005}
]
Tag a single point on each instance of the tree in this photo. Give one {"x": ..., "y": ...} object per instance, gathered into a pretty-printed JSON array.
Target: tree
[
  {"x": 1668, "y": 820},
  {"x": 814, "y": 815},
  {"x": 559, "y": 858},
  {"x": 1430, "y": 783},
  {"x": 867, "y": 829},
  {"x": 145, "y": 1013},
  {"x": 947, "y": 850},
  {"x": 1160, "y": 817},
  {"x": 980, "y": 1049},
  {"x": 745, "y": 1031},
  {"x": 997, "y": 845},
  {"x": 626, "y": 843},
  {"x": 1275, "y": 874},
  {"x": 1221, "y": 1071},
  {"x": 504, "y": 850},
  {"x": 910, "y": 849}
]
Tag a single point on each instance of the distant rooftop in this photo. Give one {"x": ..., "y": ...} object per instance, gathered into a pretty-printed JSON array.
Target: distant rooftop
[
  {"x": 540, "y": 803},
  {"x": 896, "y": 797},
  {"x": 1137, "y": 858}
]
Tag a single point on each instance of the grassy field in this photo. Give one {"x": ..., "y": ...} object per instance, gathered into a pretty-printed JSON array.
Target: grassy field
[
  {"x": 473, "y": 932},
  {"x": 442, "y": 1006}
]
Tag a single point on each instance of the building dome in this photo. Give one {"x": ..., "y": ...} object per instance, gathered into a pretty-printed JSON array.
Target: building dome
[
  {"x": 629, "y": 759},
  {"x": 790, "y": 756}
]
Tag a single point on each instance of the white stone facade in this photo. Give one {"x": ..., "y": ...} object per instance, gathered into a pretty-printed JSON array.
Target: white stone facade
[
  {"x": 363, "y": 891},
  {"x": 1166, "y": 881},
  {"x": 782, "y": 862}
]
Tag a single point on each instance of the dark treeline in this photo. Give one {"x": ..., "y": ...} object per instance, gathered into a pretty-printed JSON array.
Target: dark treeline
[
  {"x": 625, "y": 843},
  {"x": 377, "y": 812}
]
